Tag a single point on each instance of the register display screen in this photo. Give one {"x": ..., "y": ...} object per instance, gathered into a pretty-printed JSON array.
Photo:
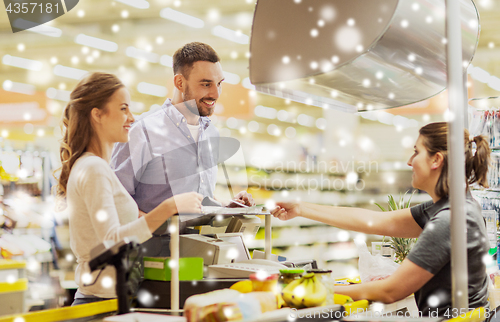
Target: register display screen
[{"x": 240, "y": 248}]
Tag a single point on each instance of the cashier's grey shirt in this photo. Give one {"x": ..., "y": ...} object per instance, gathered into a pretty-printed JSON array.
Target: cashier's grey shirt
[{"x": 433, "y": 253}]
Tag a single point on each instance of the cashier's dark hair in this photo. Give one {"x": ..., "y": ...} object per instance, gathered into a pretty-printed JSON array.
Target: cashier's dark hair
[
  {"x": 94, "y": 91},
  {"x": 477, "y": 155},
  {"x": 185, "y": 57}
]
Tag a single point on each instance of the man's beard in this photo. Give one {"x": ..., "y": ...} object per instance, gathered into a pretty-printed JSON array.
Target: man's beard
[{"x": 198, "y": 110}]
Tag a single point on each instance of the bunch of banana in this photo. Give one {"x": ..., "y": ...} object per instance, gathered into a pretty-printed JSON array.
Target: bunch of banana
[{"x": 305, "y": 292}]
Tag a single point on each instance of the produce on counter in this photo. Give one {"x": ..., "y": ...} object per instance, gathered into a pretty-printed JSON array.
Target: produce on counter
[
  {"x": 242, "y": 286},
  {"x": 341, "y": 299},
  {"x": 305, "y": 292},
  {"x": 228, "y": 305}
]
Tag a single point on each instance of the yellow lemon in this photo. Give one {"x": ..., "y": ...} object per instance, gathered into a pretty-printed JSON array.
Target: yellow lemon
[
  {"x": 242, "y": 286},
  {"x": 341, "y": 299}
]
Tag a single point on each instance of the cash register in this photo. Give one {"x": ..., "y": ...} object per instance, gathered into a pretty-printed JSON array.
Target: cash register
[{"x": 226, "y": 255}]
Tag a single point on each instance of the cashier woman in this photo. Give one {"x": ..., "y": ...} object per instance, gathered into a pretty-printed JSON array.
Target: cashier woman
[{"x": 426, "y": 271}]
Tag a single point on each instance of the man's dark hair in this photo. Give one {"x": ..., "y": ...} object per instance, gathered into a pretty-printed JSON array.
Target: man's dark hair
[{"x": 185, "y": 57}]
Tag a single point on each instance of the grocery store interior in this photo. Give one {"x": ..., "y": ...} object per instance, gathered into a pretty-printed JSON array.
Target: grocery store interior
[{"x": 289, "y": 150}]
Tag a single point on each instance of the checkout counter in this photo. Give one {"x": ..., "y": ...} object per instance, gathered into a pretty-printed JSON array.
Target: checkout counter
[{"x": 218, "y": 249}]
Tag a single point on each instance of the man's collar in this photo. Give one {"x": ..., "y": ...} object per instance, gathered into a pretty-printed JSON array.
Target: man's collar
[{"x": 177, "y": 117}]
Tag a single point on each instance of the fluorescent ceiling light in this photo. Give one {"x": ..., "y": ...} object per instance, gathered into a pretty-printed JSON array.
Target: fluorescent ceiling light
[
  {"x": 246, "y": 83},
  {"x": 181, "y": 18},
  {"x": 231, "y": 78},
  {"x": 265, "y": 112},
  {"x": 39, "y": 29},
  {"x": 137, "y": 107},
  {"x": 167, "y": 60},
  {"x": 480, "y": 74},
  {"x": 384, "y": 117},
  {"x": 58, "y": 94},
  {"x": 231, "y": 35},
  {"x": 22, "y": 63},
  {"x": 494, "y": 82},
  {"x": 139, "y": 4},
  {"x": 17, "y": 112},
  {"x": 98, "y": 43},
  {"x": 22, "y": 88},
  {"x": 141, "y": 54},
  {"x": 152, "y": 89},
  {"x": 305, "y": 120},
  {"x": 69, "y": 72}
]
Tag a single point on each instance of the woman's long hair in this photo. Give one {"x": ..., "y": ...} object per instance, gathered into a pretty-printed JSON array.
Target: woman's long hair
[
  {"x": 435, "y": 140},
  {"x": 94, "y": 91}
]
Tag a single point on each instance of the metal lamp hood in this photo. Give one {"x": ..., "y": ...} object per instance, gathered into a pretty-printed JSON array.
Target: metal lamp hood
[{"x": 355, "y": 55}]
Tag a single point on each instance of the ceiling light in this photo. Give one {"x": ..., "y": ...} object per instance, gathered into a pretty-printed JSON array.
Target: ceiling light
[
  {"x": 231, "y": 78},
  {"x": 152, "y": 89},
  {"x": 39, "y": 29},
  {"x": 58, "y": 94},
  {"x": 124, "y": 14},
  {"x": 167, "y": 60},
  {"x": 80, "y": 13},
  {"x": 321, "y": 123},
  {"x": 98, "y": 43},
  {"x": 253, "y": 126},
  {"x": 22, "y": 88},
  {"x": 305, "y": 120},
  {"x": 265, "y": 112},
  {"x": 115, "y": 28},
  {"x": 290, "y": 132},
  {"x": 141, "y": 54},
  {"x": 182, "y": 18},
  {"x": 494, "y": 82},
  {"x": 231, "y": 35},
  {"x": 139, "y": 4},
  {"x": 137, "y": 107},
  {"x": 247, "y": 84},
  {"x": 479, "y": 74},
  {"x": 282, "y": 115},
  {"x": 22, "y": 62},
  {"x": 273, "y": 129},
  {"x": 69, "y": 72}
]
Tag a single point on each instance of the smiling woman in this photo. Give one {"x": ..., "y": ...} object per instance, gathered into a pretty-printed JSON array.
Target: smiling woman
[{"x": 99, "y": 207}]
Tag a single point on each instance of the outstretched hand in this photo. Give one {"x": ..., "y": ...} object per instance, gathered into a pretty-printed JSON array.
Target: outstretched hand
[{"x": 286, "y": 210}]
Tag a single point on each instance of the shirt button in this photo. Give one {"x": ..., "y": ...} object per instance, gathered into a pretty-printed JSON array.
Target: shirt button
[
  {"x": 177, "y": 124},
  {"x": 202, "y": 180},
  {"x": 189, "y": 137},
  {"x": 183, "y": 120}
]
